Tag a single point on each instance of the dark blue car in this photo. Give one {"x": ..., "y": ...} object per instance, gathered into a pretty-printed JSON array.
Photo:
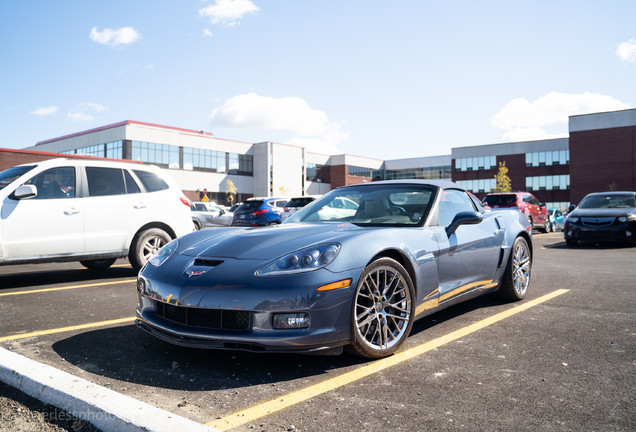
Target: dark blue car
[{"x": 259, "y": 212}]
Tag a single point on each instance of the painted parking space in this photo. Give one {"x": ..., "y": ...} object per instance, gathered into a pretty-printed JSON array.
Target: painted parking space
[{"x": 513, "y": 367}]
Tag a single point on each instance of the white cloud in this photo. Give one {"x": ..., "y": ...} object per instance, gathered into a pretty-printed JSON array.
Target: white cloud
[
  {"x": 530, "y": 134},
  {"x": 312, "y": 128},
  {"x": 627, "y": 50},
  {"x": 97, "y": 107},
  {"x": 122, "y": 36},
  {"x": 228, "y": 12},
  {"x": 207, "y": 32},
  {"x": 80, "y": 117},
  {"x": 526, "y": 118},
  {"x": 45, "y": 111}
]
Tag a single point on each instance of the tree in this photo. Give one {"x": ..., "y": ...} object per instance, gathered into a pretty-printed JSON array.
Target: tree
[
  {"x": 230, "y": 194},
  {"x": 503, "y": 181}
]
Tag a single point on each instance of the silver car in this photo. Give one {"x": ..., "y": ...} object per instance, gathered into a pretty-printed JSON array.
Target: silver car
[{"x": 205, "y": 214}]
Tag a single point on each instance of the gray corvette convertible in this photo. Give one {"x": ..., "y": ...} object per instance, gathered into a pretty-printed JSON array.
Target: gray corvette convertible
[{"x": 336, "y": 276}]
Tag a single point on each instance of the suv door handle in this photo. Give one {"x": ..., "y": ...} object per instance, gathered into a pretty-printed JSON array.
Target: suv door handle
[
  {"x": 140, "y": 205},
  {"x": 71, "y": 211}
]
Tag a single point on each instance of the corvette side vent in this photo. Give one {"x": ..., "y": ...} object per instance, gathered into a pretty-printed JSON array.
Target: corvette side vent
[{"x": 207, "y": 262}]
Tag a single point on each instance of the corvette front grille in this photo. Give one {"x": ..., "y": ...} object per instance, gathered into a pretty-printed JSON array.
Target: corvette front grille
[{"x": 217, "y": 319}]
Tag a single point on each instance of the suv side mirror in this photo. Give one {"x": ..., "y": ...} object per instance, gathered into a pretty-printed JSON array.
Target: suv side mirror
[
  {"x": 464, "y": 218},
  {"x": 572, "y": 207},
  {"x": 25, "y": 192}
]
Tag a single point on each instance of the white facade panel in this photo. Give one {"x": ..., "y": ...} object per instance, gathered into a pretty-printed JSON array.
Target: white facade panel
[
  {"x": 604, "y": 120},
  {"x": 84, "y": 140},
  {"x": 213, "y": 182},
  {"x": 317, "y": 188},
  {"x": 261, "y": 169},
  {"x": 288, "y": 170},
  {"x": 511, "y": 148},
  {"x": 423, "y": 162}
]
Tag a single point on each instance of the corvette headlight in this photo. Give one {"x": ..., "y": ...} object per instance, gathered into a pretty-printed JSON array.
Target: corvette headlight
[
  {"x": 308, "y": 259},
  {"x": 164, "y": 253},
  {"x": 573, "y": 219}
]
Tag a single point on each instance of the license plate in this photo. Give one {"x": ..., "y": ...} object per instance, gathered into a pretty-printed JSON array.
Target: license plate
[{"x": 241, "y": 216}]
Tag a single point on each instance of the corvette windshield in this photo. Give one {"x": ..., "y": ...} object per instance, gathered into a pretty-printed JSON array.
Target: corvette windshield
[{"x": 371, "y": 205}]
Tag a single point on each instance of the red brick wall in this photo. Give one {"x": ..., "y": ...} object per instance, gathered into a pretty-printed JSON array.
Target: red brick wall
[{"x": 601, "y": 157}]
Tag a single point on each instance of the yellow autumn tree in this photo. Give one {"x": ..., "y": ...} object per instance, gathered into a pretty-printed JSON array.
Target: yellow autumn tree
[
  {"x": 230, "y": 193},
  {"x": 503, "y": 181}
]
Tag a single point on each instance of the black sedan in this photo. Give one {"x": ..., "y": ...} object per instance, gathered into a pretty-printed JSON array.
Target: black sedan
[{"x": 605, "y": 216}]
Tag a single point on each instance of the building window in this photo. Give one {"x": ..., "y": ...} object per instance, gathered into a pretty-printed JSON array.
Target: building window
[
  {"x": 203, "y": 160},
  {"x": 359, "y": 171},
  {"x": 549, "y": 158},
  {"x": 240, "y": 164},
  {"x": 428, "y": 173},
  {"x": 478, "y": 186},
  {"x": 476, "y": 163},
  {"x": 159, "y": 154},
  {"x": 556, "y": 182}
]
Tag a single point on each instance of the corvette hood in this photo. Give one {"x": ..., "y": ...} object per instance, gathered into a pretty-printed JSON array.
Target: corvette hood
[{"x": 268, "y": 242}]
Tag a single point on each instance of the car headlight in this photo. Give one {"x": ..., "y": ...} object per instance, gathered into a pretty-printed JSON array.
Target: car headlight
[
  {"x": 573, "y": 219},
  {"x": 304, "y": 260},
  {"x": 629, "y": 217},
  {"x": 164, "y": 253}
]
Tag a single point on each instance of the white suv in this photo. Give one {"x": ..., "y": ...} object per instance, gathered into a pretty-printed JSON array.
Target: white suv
[{"x": 91, "y": 211}]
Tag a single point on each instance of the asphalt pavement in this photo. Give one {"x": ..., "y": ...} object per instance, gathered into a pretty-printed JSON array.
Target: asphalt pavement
[{"x": 562, "y": 359}]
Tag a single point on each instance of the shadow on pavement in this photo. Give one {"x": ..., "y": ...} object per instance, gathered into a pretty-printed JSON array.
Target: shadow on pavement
[{"x": 49, "y": 277}]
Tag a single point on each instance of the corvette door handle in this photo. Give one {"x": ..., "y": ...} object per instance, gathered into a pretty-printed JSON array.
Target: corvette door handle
[
  {"x": 71, "y": 211},
  {"x": 140, "y": 205}
]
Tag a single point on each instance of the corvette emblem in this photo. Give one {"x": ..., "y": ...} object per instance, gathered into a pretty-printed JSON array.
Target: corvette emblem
[{"x": 192, "y": 273}]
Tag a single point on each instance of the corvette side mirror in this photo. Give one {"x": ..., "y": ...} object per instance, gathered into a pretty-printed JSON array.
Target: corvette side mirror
[{"x": 464, "y": 218}]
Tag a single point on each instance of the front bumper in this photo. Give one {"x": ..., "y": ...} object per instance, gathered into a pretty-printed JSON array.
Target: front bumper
[
  {"x": 233, "y": 309},
  {"x": 623, "y": 232}
]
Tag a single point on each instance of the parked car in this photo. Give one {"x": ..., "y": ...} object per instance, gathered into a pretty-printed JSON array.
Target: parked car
[
  {"x": 557, "y": 220},
  {"x": 205, "y": 215},
  {"x": 604, "y": 216},
  {"x": 536, "y": 212},
  {"x": 317, "y": 285},
  {"x": 89, "y": 211},
  {"x": 296, "y": 204},
  {"x": 259, "y": 212}
]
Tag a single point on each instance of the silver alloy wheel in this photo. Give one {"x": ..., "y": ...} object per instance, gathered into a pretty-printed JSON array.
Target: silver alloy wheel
[
  {"x": 382, "y": 308},
  {"x": 521, "y": 268},
  {"x": 151, "y": 246}
]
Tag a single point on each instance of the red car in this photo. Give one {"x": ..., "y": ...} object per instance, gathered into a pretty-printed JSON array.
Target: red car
[{"x": 536, "y": 212}]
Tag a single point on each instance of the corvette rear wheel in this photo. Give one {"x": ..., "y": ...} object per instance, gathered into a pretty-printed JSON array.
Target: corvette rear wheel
[
  {"x": 516, "y": 277},
  {"x": 383, "y": 310}
]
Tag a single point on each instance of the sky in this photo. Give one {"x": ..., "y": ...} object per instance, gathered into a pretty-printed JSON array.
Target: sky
[{"x": 381, "y": 79}]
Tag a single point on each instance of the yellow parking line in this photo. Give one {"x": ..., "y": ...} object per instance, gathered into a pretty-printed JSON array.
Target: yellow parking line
[
  {"x": 65, "y": 329},
  {"x": 67, "y": 288},
  {"x": 288, "y": 400}
]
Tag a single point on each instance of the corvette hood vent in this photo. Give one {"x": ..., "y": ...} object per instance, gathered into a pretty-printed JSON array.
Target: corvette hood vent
[{"x": 207, "y": 262}]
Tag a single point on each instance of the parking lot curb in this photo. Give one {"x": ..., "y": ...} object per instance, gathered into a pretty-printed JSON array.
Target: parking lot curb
[{"x": 106, "y": 409}]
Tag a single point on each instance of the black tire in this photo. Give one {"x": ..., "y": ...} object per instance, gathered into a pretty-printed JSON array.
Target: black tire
[
  {"x": 516, "y": 278},
  {"x": 570, "y": 242},
  {"x": 273, "y": 223},
  {"x": 145, "y": 245},
  {"x": 102, "y": 264},
  {"x": 197, "y": 225},
  {"x": 383, "y": 310},
  {"x": 548, "y": 227},
  {"x": 530, "y": 223}
]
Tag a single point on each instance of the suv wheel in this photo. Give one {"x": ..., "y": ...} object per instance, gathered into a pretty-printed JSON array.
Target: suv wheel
[{"x": 145, "y": 245}]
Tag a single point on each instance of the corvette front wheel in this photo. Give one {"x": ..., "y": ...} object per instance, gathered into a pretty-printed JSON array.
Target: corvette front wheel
[{"x": 383, "y": 310}]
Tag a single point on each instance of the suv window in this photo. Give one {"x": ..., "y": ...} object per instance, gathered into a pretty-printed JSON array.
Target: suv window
[
  {"x": 279, "y": 203},
  {"x": 453, "y": 202},
  {"x": 151, "y": 181},
  {"x": 299, "y": 202},
  {"x": 8, "y": 176},
  {"x": 54, "y": 183},
  {"x": 251, "y": 205},
  {"x": 131, "y": 185},
  {"x": 105, "y": 181},
  {"x": 494, "y": 200}
]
